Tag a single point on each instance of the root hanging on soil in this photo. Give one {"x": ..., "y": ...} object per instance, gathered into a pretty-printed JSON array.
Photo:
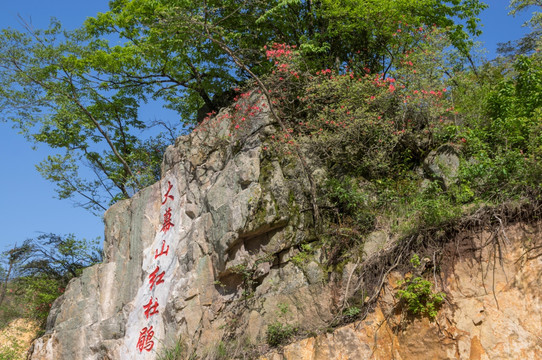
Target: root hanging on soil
[{"x": 444, "y": 246}]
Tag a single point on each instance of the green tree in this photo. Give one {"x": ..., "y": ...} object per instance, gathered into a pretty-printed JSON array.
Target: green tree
[
  {"x": 43, "y": 268},
  {"x": 366, "y": 32},
  {"x": 166, "y": 44},
  {"x": 528, "y": 43},
  {"x": 517, "y": 6},
  {"x": 166, "y": 49},
  {"x": 11, "y": 261},
  {"x": 80, "y": 92},
  {"x": 53, "y": 94},
  {"x": 60, "y": 257},
  {"x": 505, "y": 146}
]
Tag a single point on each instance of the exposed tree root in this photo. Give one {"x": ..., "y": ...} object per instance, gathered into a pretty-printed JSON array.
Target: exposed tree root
[{"x": 434, "y": 243}]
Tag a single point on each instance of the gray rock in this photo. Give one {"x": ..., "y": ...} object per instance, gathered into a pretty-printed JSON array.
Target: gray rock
[
  {"x": 234, "y": 213},
  {"x": 442, "y": 165},
  {"x": 374, "y": 242}
]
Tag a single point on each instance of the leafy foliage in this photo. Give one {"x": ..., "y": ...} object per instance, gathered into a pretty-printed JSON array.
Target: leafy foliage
[
  {"x": 418, "y": 295},
  {"x": 80, "y": 94},
  {"x": 374, "y": 132},
  {"x": 278, "y": 333},
  {"x": 369, "y": 89},
  {"x": 42, "y": 270},
  {"x": 53, "y": 93},
  {"x": 503, "y": 148},
  {"x": 520, "y": 5}
]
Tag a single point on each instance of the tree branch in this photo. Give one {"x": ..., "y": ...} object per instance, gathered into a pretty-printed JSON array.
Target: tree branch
[{"x": 263, "y": 88}]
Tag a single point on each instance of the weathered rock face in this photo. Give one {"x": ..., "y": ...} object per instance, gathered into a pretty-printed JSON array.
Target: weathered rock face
[
  {"x": 442, "y": 165},
  {"x": 211, "y": 255},
  {"x": 494, "y": 311},
  {"x": 202, "y": 255}
]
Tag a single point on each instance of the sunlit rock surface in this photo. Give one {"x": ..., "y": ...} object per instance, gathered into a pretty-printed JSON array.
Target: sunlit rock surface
[
  {"x": 493, "y": 310},
  {"x": 235, "y": 212},
  {"x": 211, "y": 255}
]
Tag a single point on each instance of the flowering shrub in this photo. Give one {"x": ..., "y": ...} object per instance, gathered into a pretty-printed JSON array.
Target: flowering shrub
[
  {"x": 368, "y": 123},
  {"x": 376, "y": 129},
  {"x": 373, "y": 131}
]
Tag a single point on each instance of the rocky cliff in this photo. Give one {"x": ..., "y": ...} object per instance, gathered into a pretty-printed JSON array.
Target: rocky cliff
[
  {"x": 493, "y": 308},
  {"x": 217, "y": 258},
  {"x": 203, "y": 255}
]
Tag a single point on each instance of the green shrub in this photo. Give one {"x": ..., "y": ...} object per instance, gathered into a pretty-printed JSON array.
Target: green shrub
[
  {"x": 419, "y": 297},
  {"x": 417, "y": 293},
  {"x": 278, "y": 333},
  {"x": 177, "y": 352},
  {"x": 351, "y": 311},
  {"x": 351, "y": 200}
]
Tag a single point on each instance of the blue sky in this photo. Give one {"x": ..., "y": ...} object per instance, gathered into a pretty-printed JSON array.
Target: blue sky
[
  {"x": 28, "y": 206},
  {"x": 27, "y": 203}
]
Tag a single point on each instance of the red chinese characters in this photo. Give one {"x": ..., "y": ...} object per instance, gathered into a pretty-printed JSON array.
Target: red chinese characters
[
  {"x": 146, "y": 335},
  {"x": 167, "y": 221},
  {"x": 167, "y": 195},
  {"x": 155, "y": 278},
  {"x": 162, "y": 251},
  {"x": 151, "y": 308},
  {"x": 145, "y": 339}
]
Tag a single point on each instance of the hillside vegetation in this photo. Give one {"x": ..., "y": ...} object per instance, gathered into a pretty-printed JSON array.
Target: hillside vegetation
[
  {"x": 34, "y": 274},
  {"x": 415, "y": 134}
]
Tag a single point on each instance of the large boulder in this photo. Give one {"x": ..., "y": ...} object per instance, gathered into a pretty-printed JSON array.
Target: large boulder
[
  {"x": 199, "y": 256},
  {"x": 442, "y": 165}
]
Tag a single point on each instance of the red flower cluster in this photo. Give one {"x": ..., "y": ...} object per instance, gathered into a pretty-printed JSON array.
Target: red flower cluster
[{"x": 279, "y": 51}]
